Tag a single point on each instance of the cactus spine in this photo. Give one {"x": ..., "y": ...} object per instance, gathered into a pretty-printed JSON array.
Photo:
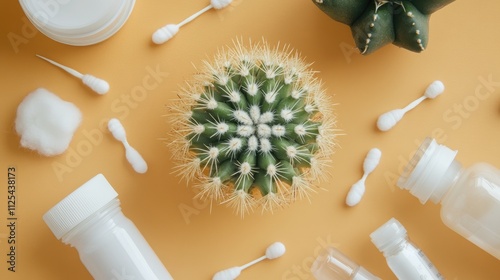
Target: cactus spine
[{"x": 253, "y": 128}]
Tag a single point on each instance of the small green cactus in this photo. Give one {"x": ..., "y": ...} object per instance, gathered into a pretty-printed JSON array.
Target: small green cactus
[
  {"x": 253, "y": 128},
  {"x": 376, "y": 23}
]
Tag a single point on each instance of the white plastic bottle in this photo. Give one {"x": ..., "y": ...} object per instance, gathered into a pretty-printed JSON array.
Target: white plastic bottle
[
  {"x": 404, "y": 258},
  {"x": 331, "y": 264},
  {"x": 110, "y": 245},
  {"x": 469, "y": 197}
]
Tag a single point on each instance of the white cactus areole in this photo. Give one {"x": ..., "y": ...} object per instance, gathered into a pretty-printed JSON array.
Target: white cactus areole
[{"x": 254, "y": 128}]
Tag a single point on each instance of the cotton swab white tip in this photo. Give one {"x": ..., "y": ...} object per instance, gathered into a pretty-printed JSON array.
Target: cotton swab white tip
[
  {"x": 434, "y": 89},
  {"x": 220, "y": 4},
  {"x": 100, "y": 86},
  {"x": 356, "y": 193},
  {"x": 372, "y": 160},
  {"x": 389, "y": 119},
  {"x": 133, "y": 157},
  {"x": 228, "y": 274},
  {"x": 275, "y": 250},
  {"x": 136, "y": 160},
  {"x": 165, "y": 33},
  {"x": 168, "y": 31},
  {"x": 357, "y": 190},
  {"x": 117, "y": 130}
]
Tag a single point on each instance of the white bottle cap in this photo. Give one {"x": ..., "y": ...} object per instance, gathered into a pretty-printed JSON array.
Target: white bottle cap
[
  {"x": 428, "y": 172},
  {"x": 79, "y": 205},
  {"x": 389, "y": 233}
]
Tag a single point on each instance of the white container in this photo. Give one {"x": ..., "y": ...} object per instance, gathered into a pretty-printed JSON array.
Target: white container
[
  {"x": 331, "y": 264},
  {"x": 404, "y": 258},
  {"x": 110, "y": 246},
  {"x": 469, "y": 197},
  {"x": 78, "y": 22}
]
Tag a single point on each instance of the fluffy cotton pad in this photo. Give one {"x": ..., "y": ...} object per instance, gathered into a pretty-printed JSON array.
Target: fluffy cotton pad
[{"x": 46, "y": 123}]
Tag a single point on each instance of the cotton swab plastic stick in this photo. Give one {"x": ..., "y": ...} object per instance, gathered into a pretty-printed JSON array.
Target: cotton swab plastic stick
[
  {"x": 275, "y": 250},
  {"x": 358, "y": 189},
  {"x": 100, "y": 86},
  {"x": 134, "y": 158},
  {"x": 389, "y": 119},
  {"x": 168, "y": 31}
]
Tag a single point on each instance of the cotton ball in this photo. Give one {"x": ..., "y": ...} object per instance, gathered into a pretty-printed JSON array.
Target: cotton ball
[{"x": 46, "y": 123}]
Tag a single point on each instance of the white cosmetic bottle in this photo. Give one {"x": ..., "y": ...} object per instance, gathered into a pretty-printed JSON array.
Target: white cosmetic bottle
[
  {"x": 404, "y": 257},
  {"x": 469, "y": 197},
  {"x": 109, "y": 244}
]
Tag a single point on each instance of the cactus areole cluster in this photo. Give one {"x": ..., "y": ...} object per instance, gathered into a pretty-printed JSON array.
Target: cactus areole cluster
[
  {"x": 254, "y": 128},
  {"x": 376, "y": 23}
]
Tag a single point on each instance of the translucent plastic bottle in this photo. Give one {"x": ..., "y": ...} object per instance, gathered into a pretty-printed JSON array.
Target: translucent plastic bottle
[
  {"x": 404, "y": 258},
  {"x": 110, "y": 245},
  {"x": 331, "y": 264},
  {"x": 469, "y": 197}
]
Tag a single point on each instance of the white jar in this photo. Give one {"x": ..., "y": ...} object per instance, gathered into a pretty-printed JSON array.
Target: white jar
[
  {"x": 109, "y": 244},
  {"x": 404, "y": 258},
  {"x": 78, "y": 22},
  {"x": 333, "y": 264},
  {"x": 469, "y": 197}
]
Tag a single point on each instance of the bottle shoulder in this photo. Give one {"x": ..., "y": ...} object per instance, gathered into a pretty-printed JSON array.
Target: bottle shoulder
[
  {"x": 478, "y": 172},
  {"x": 474, "y": 186},
  {"x": 482, "y": 167}
]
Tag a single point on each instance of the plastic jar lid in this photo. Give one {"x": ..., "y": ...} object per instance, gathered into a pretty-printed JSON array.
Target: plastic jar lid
[
  {"x": 78, "y": 22},
  {"x": 79, "y": 205}
]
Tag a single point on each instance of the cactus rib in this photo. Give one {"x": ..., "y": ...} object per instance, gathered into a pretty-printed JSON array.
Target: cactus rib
[{"x": 376, "y": 23}]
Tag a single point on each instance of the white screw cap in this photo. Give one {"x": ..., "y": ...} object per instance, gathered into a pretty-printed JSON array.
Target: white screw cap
[
  {"x": 79, "y": 205},
  {"x": 389, "y": 233}
]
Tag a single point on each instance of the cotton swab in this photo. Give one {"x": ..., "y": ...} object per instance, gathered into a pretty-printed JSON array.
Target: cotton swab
[
  {"x": 358, "y": 189},
  {"x": 168, "y": 31},
  {"x": 134, "y": 158},
  {"x": 275, "y": 250},
  {"x": 389, "y": 119},
  {"x": 100, "y": 86}
]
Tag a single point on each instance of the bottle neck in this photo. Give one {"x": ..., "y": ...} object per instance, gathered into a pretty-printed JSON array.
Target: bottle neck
[
  {"x": 397, "y": 245},
  {"x": 93, "y": 225},
  {"x": 431, "y": 172},
  {"x": 445, "y": 183}
]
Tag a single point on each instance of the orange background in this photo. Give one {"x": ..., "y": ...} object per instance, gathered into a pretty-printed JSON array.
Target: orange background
[{"x": 463, "y": 49}]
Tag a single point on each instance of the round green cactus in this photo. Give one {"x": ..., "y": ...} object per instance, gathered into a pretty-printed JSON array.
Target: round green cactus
[
  {"x": 254, "y": 127},
  {"x": 376, "y": 23}
]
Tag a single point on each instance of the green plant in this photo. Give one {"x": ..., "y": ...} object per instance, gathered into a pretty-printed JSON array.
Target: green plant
[
  {"x": 376, "y": 23},
  {"x": 253, "y": 127}
]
